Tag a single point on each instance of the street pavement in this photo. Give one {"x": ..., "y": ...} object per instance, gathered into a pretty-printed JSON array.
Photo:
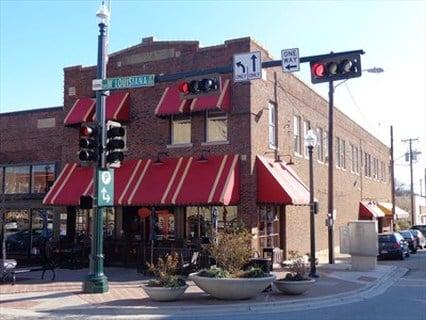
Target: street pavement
[{"x": 338, "y": 294}]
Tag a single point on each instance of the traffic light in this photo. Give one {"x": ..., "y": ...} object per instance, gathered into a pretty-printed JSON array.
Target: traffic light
[
  {"x": 336, "y": 67},
  {"x": 115, "y": 143},
  {"x": 201, "y": 85},
  {"x": 88, "y": 143}
]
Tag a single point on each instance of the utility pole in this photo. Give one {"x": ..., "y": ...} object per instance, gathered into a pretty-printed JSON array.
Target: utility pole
[
  {"x": 392, "y": 172},
  {"x": 410, "y": 142},
  {"x": 330, "y": 189}
]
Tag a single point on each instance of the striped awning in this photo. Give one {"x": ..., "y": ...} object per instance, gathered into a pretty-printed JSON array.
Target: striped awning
[
  {"x": 369, "y": 209},
  {"x": 386, "y": 207}
]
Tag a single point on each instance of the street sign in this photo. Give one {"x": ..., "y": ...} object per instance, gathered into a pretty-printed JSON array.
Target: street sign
[
  {"x": 105, "y": 187},
  {"x": 247, "y": 66},
  {"x": 143, "y": 80},
  {"x": 290, "y": 60}
]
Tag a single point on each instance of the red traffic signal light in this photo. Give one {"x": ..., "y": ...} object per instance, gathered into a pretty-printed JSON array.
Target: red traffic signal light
[
  {"x": 202, "y": 85},
  {"x": 88, "y": 143},
  {"x": 336, "y": 67}
]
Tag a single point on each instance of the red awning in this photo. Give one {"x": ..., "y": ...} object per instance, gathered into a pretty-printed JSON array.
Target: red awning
[
  {"x": 83, "y": 110},
  {"x": 277, "y": 183},
  {"x": 75, "y": 181},
  {"x": 369, "y": 210},
  {"x": 184, "y": 181},
  {"x": 171, "y": 103},
  {"x": 175, "y": 181},
  {"x": 117, "y": 107}
]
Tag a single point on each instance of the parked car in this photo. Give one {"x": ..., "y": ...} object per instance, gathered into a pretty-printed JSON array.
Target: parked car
[
  {"x": 18, "y": 242},
  {"x": 392, "y": 245},
  {"x": 412, "y": 240},
  {"x": 421, "y": 227},
  {"x": 421, "y": 240}
]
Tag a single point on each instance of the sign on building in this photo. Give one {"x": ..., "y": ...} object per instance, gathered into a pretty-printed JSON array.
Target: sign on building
[
  {"x": 290, "y": 60},
  {"x": 247, "y": 66}
]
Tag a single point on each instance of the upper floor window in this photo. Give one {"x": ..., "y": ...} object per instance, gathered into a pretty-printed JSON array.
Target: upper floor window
[
  {"x": 297, "y": 134},
  {"x": 42, "y": 178},
  {"x": 342, "y": 154},
  {"x": 337, "y": 150},
  {"x": 272, "y": 125},
  {"x": 320, "y": 144},
  {"x": 17, "y": 180},
  {"x": 325, "y": 146},
  {"x": 306, "y": 127},
  {"x": 354, "y": 159},
  {"x": 216, "y": 126},
  {"x": 180, "y": 129}
]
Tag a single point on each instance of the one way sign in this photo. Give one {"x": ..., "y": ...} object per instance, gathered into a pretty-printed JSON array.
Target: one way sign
[
  {"x": 290, "y": 60},
  {"x": 247, "y": 66}
]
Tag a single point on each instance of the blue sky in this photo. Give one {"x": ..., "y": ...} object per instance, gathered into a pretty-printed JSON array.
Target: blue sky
[{"x": 39, "y": 38}]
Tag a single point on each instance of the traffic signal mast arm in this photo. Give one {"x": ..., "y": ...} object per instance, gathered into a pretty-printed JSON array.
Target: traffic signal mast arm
[{"x": 266, "y": 64}]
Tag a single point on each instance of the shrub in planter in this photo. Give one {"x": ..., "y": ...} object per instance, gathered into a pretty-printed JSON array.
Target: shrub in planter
[
  {"x": 297, "y": 280},
  {"x": 229, "y": 280},
  {"x": 166, "y": 286}
]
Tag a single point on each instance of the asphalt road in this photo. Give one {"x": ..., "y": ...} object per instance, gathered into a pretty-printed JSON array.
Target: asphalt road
[{"x": 406, "y": 299}]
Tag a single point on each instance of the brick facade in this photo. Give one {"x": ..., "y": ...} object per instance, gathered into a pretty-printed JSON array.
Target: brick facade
[{"x": 247, "y": 129}]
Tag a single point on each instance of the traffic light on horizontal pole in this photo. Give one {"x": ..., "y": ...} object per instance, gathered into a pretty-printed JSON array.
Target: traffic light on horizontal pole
[
  {"x": 200, "y": 86},
  {"x": 88, "y": 143},
  {"x": 336, "y": 67}
]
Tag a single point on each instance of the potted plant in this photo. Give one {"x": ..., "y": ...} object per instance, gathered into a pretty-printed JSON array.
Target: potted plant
[
  {"x": 296, "y": 280},
  {"x": 166, "y": 286},
  {"x": 230, "y": 279}
]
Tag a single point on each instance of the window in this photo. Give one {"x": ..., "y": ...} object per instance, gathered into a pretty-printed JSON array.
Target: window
[
  {"x": 320, "y": 145},
  {"x": 268, "y": 227},
  {"x": 297, "y": 139},
  {"x": 272, "y": 125},
  {"x": 306, "y": 127},
  {"x": 17, "y": 179},
  {"x": 200, "y": 222},
  {"x": 42, "y": 178},
  {"x": 1, "y": 180},
  {"x": 180, "y": 129},
  {"x": 325, "y": 146},
  {"x": 337, "y": 150},
  {"x": 343, "y": 154},
  {"x": 354, "y": 159},
  {"x": 217, "y": 126}
]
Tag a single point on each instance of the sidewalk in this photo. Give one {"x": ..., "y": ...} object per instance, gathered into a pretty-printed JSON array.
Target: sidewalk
[{"x": 35, "y": 298}]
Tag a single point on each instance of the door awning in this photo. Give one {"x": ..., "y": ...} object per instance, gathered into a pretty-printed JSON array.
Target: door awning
[
  {"x": 386, "y": 207},
  {"x": 173, "y": 181},
  {"x": 277, "y": 183},
  {"x": 83, "y": 110},
  {"x": 171, "y": 104},
  {"x": 369, "y": 210}
]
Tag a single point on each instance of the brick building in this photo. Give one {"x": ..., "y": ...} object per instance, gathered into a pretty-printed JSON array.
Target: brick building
[{"x": 198, "y": 159}]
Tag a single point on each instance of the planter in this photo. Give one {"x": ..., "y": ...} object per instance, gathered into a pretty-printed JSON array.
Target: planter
[
  {"x": 232, "y": 288},
  {"x": 293, "y": 287},
  {"x": 164, "y": 293}
]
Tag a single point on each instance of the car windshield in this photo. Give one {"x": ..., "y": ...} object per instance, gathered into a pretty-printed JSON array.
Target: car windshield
[
  {"x": 387, "y": 238},
  {"x": 406, "y": 234}
]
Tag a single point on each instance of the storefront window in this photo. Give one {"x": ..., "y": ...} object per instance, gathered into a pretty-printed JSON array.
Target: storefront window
[
  {"x": 217, "y": 126},
  {"x": 42, "y": 228},
  {"x": 42, "y": 178},
  {"x": 166, "y": 225},
  {"x": 268, "y": 227},
  {"x": 1, "y": 180},
  {"x": 82, "y": 225},
  {"x": 17, "y": 231},
  {"x": 17, "y": 179},
  {"x": 200, "y": 220},
  {"x": 109, "y": 223}
]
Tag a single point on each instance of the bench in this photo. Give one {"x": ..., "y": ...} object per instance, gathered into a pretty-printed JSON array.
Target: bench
[{"x": 14, "y": 272}]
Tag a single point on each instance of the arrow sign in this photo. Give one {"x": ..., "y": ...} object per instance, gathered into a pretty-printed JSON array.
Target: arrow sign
[
  {"x": 247, "y": 66},
  {"x": 290, "y": 60},
  {"x": 105, "y": 187}
]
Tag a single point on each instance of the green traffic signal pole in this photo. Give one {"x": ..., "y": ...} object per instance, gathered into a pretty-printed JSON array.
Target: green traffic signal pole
[{"x": 96, "y": 281}]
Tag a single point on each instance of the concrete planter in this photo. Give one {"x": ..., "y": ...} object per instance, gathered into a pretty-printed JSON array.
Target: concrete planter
[
  {"x": 164, "y": 293},
  {"x": 232, "y": 289},
  {"x": 293, "y": 287}
]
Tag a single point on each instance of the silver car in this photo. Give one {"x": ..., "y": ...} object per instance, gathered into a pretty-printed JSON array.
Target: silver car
[{"x": 421, "y": 244}]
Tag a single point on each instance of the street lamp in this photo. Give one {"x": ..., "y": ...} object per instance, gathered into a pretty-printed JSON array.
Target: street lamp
[
  {"x": 96, "y": 281},
  {"x": 310, "y": 142}
]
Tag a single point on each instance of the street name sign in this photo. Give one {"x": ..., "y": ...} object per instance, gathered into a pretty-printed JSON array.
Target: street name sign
[
  {"x": 105, "y": 187},
  {"x": 247, "y": 66},
  {"x": 143, "y": 80},
  {"x": 290, "y": 60}
]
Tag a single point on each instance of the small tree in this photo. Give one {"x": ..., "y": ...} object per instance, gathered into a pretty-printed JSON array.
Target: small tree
[
  {"x": 232, "y": 250},
  {"x": 165, "y": 272}
]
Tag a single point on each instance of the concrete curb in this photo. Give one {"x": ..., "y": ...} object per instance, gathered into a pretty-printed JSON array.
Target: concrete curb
[{"x": 368, "y": 291}]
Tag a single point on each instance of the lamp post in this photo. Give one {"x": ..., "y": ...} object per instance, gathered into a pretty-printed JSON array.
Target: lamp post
[
  {"x": 310, "y": 142},
  {"x": 96, "y": 281}
]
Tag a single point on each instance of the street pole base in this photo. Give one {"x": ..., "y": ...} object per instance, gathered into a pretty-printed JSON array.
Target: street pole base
[{"x": 95, "y": 284}]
